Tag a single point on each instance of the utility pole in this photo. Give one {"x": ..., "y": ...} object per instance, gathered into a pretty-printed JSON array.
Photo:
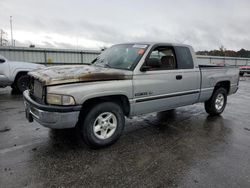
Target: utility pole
[{"x": 11, "y": 32}]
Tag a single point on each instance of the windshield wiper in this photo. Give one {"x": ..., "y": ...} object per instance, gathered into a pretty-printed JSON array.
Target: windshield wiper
[
  {"x": 107, "y": 65},
  {"x": 101, "y": 63},
  {"x": 94, "y": 60}
]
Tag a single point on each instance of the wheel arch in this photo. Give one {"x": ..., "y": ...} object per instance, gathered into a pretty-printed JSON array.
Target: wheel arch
[
  {"x": 120, "y": 99},
  {"x": 223, "y": 84}
]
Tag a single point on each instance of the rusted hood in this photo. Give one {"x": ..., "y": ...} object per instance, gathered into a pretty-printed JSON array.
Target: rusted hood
[{"x": 78, "y": 73}]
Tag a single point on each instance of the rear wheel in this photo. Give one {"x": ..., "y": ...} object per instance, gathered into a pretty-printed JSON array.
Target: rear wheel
[
  {"x": 217, "y": 103},
  {"x": 103, "y": 125}
]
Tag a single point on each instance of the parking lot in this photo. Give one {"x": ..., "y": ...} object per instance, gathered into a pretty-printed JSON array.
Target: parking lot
[{"x": 180, "y": 148}]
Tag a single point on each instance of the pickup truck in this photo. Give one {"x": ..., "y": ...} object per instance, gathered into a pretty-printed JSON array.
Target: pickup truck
[
  {"x": 123, "y": 81},
  {"x": 14, "y": 74}
]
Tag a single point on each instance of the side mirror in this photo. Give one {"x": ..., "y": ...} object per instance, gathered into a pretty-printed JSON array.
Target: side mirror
[
  {"x": 145, "y": 68},
  {"x": 2, "y": 60}
]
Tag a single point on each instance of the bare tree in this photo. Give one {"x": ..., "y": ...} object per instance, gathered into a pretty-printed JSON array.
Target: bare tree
[
  {"x": 222, "y": 48},
  {"x": 3, "y": 38}
]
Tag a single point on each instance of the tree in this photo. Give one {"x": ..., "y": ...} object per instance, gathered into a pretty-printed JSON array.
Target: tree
[
  {"x": 222, "y": 48},
  {"x": 3, "y": 38},
  {"x": 227, "y": 53},
  {"x": 243, "y": 53}
]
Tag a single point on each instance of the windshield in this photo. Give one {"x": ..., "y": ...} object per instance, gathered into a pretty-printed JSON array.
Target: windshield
[{"x": 121, "y": 56}]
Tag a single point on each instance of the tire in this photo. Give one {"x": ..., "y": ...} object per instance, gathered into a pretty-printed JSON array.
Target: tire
[
  {"x": 22, "y": 83},
  {"x": 217, "y": 103},
  {"x": 241, "y": 73},
  {"x": 109, "y": 129},
  {"x": 15, "y": 91}
]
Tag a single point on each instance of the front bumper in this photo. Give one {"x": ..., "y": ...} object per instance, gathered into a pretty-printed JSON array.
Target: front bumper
[{"x": 55, "y": 117}]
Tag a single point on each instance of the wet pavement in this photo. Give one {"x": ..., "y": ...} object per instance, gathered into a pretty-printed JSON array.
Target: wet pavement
[{"x": 180, "y": 148}]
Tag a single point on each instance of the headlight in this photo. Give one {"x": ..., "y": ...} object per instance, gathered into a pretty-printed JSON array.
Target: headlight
[{"x": 60, "y": 99}]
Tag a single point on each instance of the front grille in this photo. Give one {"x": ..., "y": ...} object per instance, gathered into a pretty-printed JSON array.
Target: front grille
[{"x": 37, "y": 91}]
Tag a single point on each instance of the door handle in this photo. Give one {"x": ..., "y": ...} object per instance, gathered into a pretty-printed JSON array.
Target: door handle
[{"x": 178, "y": 77}]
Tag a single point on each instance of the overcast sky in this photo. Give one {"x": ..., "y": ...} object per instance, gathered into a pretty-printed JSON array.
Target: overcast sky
[{"x": 96, "y": 23}]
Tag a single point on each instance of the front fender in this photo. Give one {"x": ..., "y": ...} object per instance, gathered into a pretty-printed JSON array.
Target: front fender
[{"x": 103, "y": 94}]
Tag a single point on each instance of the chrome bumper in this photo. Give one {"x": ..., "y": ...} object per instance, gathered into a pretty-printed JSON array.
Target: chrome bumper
[{"x": 55, "y": 117}]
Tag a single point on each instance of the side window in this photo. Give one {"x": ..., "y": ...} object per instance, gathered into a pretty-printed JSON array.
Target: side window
[
  {"x": 184, "y": 58},
  {"x": 162, "y": 58}
]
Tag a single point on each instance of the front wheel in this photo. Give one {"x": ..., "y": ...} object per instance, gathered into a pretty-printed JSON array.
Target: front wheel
[
  {"x": 217, "y": 103},
  {"x": 21, "y": 84},
  {"x": 103, "y": 125}
]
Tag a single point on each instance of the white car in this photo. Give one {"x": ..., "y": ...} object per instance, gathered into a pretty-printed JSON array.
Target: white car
[{"x": 14, "y": 73}]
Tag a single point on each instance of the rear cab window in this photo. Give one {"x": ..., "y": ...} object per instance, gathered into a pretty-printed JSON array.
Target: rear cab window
[{"x": 184, "y": 57}]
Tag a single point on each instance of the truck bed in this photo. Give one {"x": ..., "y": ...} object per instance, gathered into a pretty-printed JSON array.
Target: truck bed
[{"x": 212, "y": 74}]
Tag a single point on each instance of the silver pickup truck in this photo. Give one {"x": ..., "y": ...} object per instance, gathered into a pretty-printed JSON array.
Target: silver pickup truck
[{"x": 125, "y": 80}]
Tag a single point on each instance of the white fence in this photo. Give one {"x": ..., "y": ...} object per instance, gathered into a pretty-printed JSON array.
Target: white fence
[
  {"x": 61, "y": 56},
  {"x": 218, "y": 60},
  {"x": 49, "y": 56}
]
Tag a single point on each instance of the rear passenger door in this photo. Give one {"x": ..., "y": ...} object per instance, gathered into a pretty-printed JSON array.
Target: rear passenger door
[{"x": 170, "y": 82}]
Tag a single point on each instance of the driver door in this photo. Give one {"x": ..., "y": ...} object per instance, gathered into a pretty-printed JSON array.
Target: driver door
[{"x": 164, "y": 86}]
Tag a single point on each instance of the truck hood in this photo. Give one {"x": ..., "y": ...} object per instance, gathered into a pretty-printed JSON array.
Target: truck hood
[{"x": 78, "y": 73}]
